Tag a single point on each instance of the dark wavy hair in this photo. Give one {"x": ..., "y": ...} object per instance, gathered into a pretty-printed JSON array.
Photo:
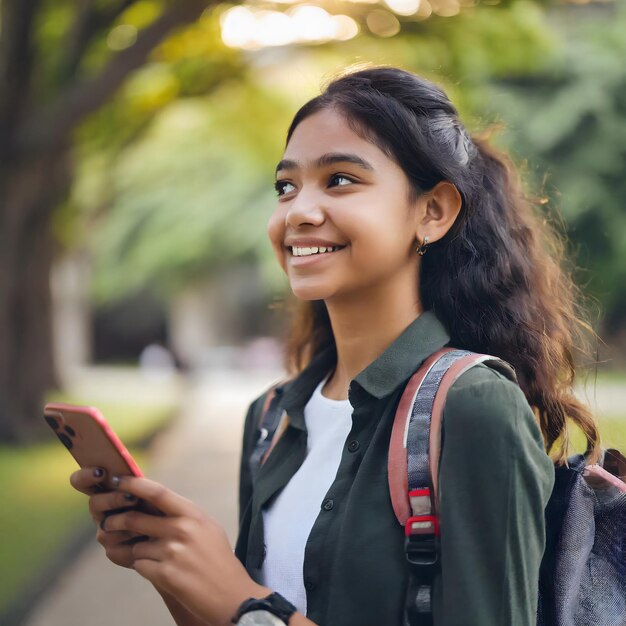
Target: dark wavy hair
[{"x": 497, "y": 280}]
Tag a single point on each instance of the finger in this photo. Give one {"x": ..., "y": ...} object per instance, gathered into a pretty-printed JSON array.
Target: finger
[
  {"x": 164, "y": 499},
  {"x": 101, "y": 503},
  {"x": 150, "y": 570},
  {"x": 108, "y": 540},
  {"x": 138, "y": 523},
  {"x": 135, "y": 539},
  {"x": 152, "y": 549},
  {"x": 119, "y": 555},
  {"x": 88, "y": 480}
]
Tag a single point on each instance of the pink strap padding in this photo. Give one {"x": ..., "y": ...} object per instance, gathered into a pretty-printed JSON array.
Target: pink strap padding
[
  {"x": 597, "y": 476},
  {"x": 266, "y": 404},
  {"x": 397, "y": 472},
  {"x": 397, "y": 464},
  {"x": 281, "y": 427}
]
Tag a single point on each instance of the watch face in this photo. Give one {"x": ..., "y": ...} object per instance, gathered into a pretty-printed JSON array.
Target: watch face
[{"x": 259, "y": 618}]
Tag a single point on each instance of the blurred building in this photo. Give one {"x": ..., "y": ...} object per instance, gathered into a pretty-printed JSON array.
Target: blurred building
[{"x": 223, "y": 321}]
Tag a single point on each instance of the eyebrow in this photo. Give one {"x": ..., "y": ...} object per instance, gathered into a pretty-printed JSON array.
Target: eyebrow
[{"x": 328, "y": 159}]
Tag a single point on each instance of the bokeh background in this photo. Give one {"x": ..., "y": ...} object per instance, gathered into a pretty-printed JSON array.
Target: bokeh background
[{"x": 137, "y": 145}]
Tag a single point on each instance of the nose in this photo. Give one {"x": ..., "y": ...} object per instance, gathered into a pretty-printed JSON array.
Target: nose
[{"x": 306, "y": 208}]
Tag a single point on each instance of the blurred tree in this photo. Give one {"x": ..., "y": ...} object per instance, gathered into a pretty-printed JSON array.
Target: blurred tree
[
  {"x": 569, "y": 122},
  {"x": 59, "y": 62},
  {"x": 195, "y": 191},
  {"x": 193, "y": 195}
]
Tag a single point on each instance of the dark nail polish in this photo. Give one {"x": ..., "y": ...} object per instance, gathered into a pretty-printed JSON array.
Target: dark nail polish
[
  {"x": 104, "y": 519},
  {"x": 115, "y": 481},
  {"x": 98, "y": 472},
  {"x": 130, "y": 497}
]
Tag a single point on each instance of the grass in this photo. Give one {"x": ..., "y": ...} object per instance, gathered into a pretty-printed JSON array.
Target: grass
[
  {"x": 613, "y": 423},
  {"x": 611, "y": 376},
  {"x": 39, "y": 507},
  {"x": 612, "y": 433}
]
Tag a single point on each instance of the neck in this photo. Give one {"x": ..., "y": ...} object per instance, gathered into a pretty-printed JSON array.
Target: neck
[{"x": 365, "y": 324}]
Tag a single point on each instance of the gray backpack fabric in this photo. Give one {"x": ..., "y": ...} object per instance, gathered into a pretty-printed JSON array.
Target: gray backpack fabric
[{"x": 583, "y": 573}]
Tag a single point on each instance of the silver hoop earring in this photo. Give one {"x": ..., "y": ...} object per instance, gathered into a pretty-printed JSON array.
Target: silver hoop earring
[{"x": 421, "y": 250}]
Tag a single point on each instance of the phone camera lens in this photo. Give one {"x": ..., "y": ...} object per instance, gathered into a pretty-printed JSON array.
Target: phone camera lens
[
  {"x": 70, "y": 431},
  {"x": 65, "y": 440},
  {"x": 52, "y": 422}
]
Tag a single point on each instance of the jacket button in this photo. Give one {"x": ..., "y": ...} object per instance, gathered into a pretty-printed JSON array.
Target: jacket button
[
  {"x": 354, "y": 445},
  {"x": 309, "y": 585},
  {"x": 328, "y": 504}
]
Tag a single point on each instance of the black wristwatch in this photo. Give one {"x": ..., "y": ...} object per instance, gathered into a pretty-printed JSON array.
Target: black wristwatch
[{"x": 274, "y": 610}]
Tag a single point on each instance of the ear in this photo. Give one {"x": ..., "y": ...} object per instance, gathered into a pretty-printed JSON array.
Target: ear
[{"x": 439, "y": 209}]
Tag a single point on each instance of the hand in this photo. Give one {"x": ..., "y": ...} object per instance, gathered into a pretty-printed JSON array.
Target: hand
[
  {"x": 91, "y": 482},
  {"x": 188, "y": 554}
]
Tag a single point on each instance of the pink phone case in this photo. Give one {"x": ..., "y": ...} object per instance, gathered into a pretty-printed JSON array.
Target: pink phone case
[{"x": 89, "y": 439}]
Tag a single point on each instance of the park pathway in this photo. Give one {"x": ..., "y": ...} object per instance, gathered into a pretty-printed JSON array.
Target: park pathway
[{"x": 199, "y": 458}]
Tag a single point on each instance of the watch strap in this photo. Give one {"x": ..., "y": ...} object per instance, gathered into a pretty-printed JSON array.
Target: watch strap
[
  {"x": 274, "y": 603},
  {"x": 259, "y": 618}
]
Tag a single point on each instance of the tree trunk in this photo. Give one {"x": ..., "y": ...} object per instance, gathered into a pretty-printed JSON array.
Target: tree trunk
[
  {"x": 29, "y": 193},
  {"x": 35, "y": 175}
]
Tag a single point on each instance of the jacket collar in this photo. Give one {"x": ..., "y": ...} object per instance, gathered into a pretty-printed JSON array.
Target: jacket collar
[{"x": 423, "y": 336}]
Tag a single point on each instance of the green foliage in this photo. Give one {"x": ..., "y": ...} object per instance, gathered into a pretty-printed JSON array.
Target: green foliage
[
  {"x": 461, "y": 53},
  {"x": 192, "y": 189},
  {"x": 192, "y": 61},
  {"x": 569, "y": 120},
  {"x": 193, "y": 194}
]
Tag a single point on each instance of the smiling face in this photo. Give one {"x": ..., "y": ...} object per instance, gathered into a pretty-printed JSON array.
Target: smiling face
[{"x": 336, "y": 186}]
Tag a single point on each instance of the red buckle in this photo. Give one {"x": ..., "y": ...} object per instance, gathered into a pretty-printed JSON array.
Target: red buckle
[{"x": 430, "y": 525}]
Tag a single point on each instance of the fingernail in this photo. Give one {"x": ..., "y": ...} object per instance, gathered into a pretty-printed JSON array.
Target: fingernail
[
  {"x": 104, "y": 519},
  {"x": 130, "y": 497},
  {"x": 98, "y": 472},
  {"x": 115, "y": 481}
]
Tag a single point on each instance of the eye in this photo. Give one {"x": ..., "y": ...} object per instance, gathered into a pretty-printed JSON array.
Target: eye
[
  {"x": 279, "y": 185},
  {"x": 341, "y": 177}
]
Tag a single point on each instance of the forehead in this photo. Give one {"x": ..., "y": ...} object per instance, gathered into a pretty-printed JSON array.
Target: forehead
[{"x": 328, "y": 131}]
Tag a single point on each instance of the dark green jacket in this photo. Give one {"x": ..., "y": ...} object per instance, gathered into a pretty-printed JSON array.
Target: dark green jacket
[{"x": 495, "y": 480}]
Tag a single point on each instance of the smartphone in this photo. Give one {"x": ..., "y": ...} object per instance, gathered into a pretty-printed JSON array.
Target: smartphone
[
  {"x": 93, "y": 443},
  {"x": 90, "y": 440}
]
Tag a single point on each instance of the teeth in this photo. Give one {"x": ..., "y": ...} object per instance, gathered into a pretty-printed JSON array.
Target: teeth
[{"x": 312, "y": 250}]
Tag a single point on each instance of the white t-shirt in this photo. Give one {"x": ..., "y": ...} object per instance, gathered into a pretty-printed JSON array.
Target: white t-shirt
[{"x": 288, "y": 521}]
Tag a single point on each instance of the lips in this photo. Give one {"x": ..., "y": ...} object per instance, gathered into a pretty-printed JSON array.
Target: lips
[{"x": 311, "y": 242}]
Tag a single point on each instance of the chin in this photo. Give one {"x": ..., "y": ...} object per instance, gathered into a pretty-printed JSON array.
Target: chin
[{"x": 310, "y": 293}]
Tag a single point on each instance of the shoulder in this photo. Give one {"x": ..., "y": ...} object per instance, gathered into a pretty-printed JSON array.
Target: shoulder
[
  {"x": 489, "y": 426},
  {"x": 483, "y": 398}
]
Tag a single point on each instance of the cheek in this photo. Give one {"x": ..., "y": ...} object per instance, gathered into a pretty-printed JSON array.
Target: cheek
[
  {"x": 380, "y": 243},
  {"x": 276, "y": 234}
]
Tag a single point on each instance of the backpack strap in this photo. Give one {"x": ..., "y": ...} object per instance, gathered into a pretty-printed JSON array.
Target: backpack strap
[
  {"x": 413, "y": 462},
  {"x": 272, "y": 424}
]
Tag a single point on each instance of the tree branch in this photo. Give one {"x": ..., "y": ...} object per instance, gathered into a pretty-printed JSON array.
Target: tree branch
[
  {"x": 48, "y": 127},
  {"x": 87, "y": 24}
]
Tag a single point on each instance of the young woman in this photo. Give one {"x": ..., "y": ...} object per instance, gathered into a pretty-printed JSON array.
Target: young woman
[{"x": 399, "y": 234}]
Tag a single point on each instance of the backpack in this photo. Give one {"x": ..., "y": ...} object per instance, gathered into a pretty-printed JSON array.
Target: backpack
[{"x": 582, "y": 578}]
